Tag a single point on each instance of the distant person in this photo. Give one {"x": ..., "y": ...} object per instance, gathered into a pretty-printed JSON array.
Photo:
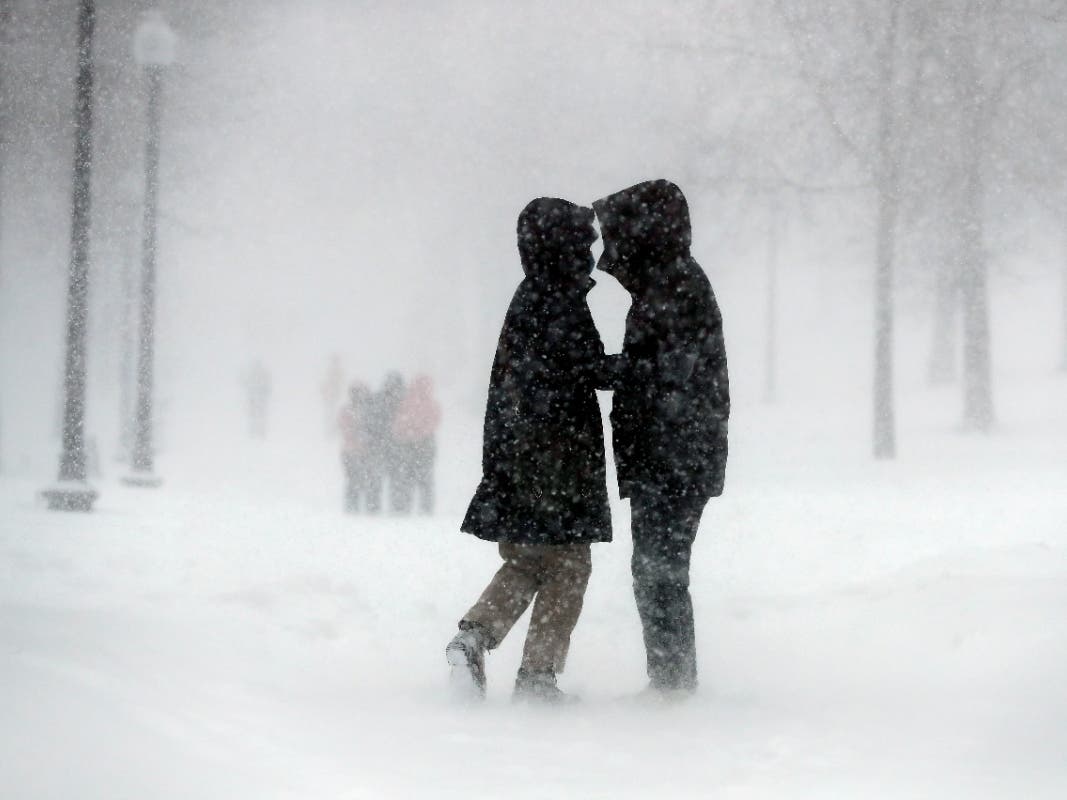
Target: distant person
[
  {"x": 414, "y": 436},
  {"x": 257, "y": 385},
  {"x": 543, "y": 494},
  {"x": 330, "y": 392},
  {"x": 381, "y": 447},
  {"x": 669, "y": 413},
  {"x": 352, "y": 423}
]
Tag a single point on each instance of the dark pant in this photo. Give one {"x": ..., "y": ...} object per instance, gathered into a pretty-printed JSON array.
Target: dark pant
[
  {"x": 358, "y": 484},
  {"x": 413, "y": 471},
  {"x": 379, "y": 461},
  {"x": 423, "y": 460},
  {"x": 664, "y": 528}
]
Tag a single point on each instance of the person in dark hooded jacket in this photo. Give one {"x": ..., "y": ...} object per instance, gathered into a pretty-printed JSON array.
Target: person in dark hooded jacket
[
  {"x": 669, "y": 412},
  {"x": 380, "y": 409},
  {"x": 352, "y": 423},
  {"x": 543, "y": 493}
]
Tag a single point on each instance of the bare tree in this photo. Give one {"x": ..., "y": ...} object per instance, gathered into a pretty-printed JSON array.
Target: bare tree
[
  {"x": 1063, "y": 312},
  {"x": 7, "y": 41},
  {"x": 860, "y": 91},
  {"x": 995, "y": 63},
  {"x": 941, "y": 368},
  {"x": 940, "y": 104}
]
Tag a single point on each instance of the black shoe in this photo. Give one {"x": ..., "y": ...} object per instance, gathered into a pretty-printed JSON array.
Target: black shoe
[
  {"x": 540, "y": 687},
  {"x": 466, "y": 654}
]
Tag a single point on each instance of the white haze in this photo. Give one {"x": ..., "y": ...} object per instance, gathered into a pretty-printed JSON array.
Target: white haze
[
  {"x": 343, "y": 177},
  {"x": 346, "y": 179}
]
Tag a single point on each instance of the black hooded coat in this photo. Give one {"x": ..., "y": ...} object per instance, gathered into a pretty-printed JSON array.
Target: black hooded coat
[
  {"x": 543, "y": 467},
  {"x": 672, "y": 400}
]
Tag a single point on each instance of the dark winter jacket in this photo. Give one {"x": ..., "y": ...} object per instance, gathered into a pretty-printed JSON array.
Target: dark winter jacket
[
  {"x": 672, "y": 398},
  {"x": 381, "y": 408},
  {"x": 543, "y": 471}
]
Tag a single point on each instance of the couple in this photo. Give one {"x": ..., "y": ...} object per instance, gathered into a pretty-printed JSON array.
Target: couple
[{"x": 543, "y": 494}]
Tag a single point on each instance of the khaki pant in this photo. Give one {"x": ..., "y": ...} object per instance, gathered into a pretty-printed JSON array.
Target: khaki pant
[{"x": 557, "y": 575}]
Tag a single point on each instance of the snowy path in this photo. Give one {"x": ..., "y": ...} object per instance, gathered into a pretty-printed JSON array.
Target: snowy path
[{"x": 892, "y": 632}]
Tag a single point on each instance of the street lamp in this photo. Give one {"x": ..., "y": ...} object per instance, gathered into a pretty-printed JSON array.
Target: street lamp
[
  {"x": 130, "y": 187},
  {"x": 72, "y": 493},
  {"x": 153, "y": 49}
]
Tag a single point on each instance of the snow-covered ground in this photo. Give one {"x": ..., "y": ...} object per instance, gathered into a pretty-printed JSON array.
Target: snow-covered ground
[{"x": 865, "y": 630}]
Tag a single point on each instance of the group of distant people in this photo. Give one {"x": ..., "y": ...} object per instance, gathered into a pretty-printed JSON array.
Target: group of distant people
[{"x": 388, "y": 438}]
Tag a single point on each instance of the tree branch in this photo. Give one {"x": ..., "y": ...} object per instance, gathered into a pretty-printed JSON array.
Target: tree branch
[{"x": 818, "y": 88}]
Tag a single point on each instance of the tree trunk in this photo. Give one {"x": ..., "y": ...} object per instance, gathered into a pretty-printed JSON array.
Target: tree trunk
[
  {"x": 884, "y": 414},
  {"x": 885, "y": 445},
  {"x": 3, "y": 155},
  {"x": 5, "y": 14},
  {"x": 974, "y": 292},
  {"x": 1063, "y": 359},
  {"x": 977, "y": 366},
  {"x": 770, "y": 377},
  {"x": 126, "y": 374},
  {"x": 942, "y": 367}
]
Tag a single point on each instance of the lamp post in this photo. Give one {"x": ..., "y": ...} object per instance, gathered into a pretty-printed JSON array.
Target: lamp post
[
  {"x": 72, "y": 493},
  {"x": 153, "y": 48},
  {"x": 130, "y": 185}
]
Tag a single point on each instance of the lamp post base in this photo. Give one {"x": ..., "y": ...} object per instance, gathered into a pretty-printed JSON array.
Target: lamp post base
[
  {"x": 70, "y": 497},
  {"x": 142, "y": 480}
]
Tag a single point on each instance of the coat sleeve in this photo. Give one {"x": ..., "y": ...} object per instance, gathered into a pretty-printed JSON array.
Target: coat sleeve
[
  {"x": 681, "y": 341},
  {"x": 612, "y": 373},
  {"x": 716, "y": 346},
  {"x": 575, "y": 352},
  {"x": 691, "y": 339},
  {"x": 720, "y": 403},
  {"x": 712, "y": 352}
]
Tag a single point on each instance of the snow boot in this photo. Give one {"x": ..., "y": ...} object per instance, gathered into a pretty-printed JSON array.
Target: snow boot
[
  {"x": 539, "y": 686},
  {"x": 466, "y": 654}
]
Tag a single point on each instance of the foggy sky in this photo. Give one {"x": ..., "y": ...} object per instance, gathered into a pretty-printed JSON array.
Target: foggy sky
[{"x": 345, "y": 177}]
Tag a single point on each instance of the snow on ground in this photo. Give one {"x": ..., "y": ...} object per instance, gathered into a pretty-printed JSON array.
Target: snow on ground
[{"x": 865, "y": 629}]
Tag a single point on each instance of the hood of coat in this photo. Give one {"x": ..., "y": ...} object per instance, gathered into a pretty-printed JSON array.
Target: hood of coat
[
  {"x": 644, "y": 227},
  {"x": 554, "y": 240}
]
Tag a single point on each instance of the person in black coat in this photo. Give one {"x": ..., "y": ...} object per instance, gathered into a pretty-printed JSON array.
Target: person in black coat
[
  {"x": 669, "y": 412},
  {"x": 381, "y": 459},
  {"x": 543, "y": 493}
]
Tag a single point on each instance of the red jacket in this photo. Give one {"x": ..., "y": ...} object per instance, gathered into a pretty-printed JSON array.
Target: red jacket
[{"x": 418, "y": 415}]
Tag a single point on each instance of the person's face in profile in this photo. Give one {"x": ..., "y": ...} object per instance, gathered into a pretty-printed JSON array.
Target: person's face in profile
[
  {"x": 610, "y": 259},
  {"x": 578, "y": 251},
  {"x": 597, "y": 247},
  {"x": 589, "y": 260},
  {"x": 609, "y": 256}
]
